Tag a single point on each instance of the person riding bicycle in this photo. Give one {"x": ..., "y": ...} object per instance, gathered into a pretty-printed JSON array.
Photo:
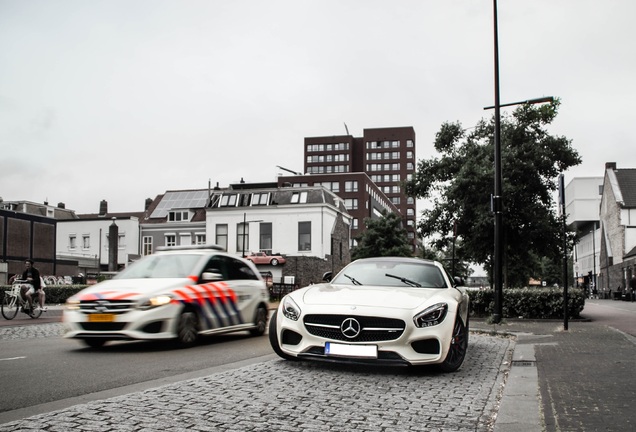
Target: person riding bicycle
[{"x": 32, "y": 276}]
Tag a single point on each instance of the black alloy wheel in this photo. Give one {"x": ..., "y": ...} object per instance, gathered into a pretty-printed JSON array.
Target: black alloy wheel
[{"x": 458, "y": 347}]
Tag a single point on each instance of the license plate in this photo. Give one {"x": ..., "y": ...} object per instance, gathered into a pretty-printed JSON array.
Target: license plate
[
  {"x": 365, "y": 351},
  {"x": 101, "y": 318}
]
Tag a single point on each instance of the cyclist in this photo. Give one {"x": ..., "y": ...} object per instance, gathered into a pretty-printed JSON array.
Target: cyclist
[{"x": 32, "y": 276}]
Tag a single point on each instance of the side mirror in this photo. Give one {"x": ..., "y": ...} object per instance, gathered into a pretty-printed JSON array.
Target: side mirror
[
  {"x": 327, "y": 276},
  {"x": 458, "y": 281},
  {"x": 211, "y": 276}
]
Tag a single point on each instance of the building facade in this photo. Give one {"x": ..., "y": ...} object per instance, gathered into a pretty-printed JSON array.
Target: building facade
[{"x": 386, "y": 155}]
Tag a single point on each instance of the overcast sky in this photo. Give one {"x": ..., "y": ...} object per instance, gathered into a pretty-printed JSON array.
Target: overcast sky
[{"x": 123, "y": 100}]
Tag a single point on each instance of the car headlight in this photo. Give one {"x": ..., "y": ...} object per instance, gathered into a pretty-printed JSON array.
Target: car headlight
[
  {"x": 431, "y": 316},
  {"x": 290, "y": 309},
  {"x": 72, "y": 304},
  {"x": 156, "y": 301}
]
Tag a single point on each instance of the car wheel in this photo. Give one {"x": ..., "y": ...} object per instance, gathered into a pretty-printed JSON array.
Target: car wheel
[
  {"x": 260, "y": 321},
  {"x": 94, "y": 342},
  {"x": 187, "y": 328},
  {"x": 458, "y": 347},
  {"x": 274, "y": 261},
  {"x": 273, "y": 339}
]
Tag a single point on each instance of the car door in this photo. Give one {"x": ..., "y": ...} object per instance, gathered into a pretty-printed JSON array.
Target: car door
[{"x": 233, "y": 293}]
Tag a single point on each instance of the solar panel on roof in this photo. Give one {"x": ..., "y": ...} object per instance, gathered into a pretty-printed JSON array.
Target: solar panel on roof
[{"x": 180, "y": 200}]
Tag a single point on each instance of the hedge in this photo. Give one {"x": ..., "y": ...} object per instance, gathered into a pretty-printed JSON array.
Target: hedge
[
  {"x": 55, "y": 294},
  {"x": 538, "y": 303}
]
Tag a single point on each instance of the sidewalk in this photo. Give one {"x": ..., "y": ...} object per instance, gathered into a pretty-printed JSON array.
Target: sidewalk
[{"x": 582, "y": 379}]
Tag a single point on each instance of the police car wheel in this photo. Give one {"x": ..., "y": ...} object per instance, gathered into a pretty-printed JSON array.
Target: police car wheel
[
  {"x": 260, "y": 321},
  {"x": 187, "y": 328}
]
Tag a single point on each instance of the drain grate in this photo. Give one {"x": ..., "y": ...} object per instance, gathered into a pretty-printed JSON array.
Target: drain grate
[{"x": 526, "y": 363}]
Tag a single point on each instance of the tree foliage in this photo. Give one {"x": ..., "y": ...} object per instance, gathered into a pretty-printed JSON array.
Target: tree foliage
[
  {"x": 460, "y": 182},
  {"x": 384, "y": 236}
]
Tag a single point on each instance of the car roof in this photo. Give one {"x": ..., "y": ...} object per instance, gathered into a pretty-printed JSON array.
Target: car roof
[{"x": 401, "y": 259}]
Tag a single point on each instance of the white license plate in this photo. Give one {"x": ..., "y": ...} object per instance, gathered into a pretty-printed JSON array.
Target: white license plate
[{"x": 365, "y": 351}]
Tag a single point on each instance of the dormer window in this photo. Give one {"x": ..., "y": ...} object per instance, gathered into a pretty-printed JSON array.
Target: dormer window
[
  {"x": 299, "y": 197},
  {"x": 260, "y": 198},
  {"x": 228, "y": 200},
  {"x": 179, "y": 216}
]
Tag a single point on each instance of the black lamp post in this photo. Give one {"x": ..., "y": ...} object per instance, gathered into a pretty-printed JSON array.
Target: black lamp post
[{"x": 496, "y": 199}]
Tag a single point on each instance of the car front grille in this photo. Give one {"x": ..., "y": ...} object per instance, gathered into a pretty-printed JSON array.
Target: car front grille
[
  {"x": 372, "y": 329},
  {"x": 97, "y": 326},
  {"x": 106, "y": 306}
]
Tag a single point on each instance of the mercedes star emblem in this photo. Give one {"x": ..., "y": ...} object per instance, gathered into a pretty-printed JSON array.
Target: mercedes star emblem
[{"x": 350, "y": 328}]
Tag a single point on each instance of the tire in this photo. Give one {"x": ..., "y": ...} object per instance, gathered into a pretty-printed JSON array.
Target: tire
[
  {"x": 187, "y": 328},
  {"x": 273, "y": 339},
  {"x": 260, "y": 321},
  {"x": 94, "y": 342},
  {"x": 458, "y": 347},
  {"x": 274, "y": 261},
  {"x": 10, "y": 306},
  {"x": 36, "y": 312}
]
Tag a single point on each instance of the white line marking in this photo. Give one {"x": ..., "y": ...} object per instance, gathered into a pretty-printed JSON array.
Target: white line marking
[{"x": 12, "y": 358}]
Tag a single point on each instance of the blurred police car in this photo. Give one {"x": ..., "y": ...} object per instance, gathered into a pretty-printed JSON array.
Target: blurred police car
[{"x": 178, "y": 293}]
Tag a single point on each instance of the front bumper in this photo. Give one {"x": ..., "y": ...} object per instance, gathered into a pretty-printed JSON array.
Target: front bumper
[
  {"x": 413, "y": 346},
  {"x": 150, "y": 324}
]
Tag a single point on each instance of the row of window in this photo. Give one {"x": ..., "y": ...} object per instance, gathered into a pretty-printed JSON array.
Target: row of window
[
  {"x": 86, "y": 241},
  {"x": 384, "y": 167},
  {"x": 349, "y": 186},
  {"x": 388, "y": 155},
  {"x": 387, "y": 144},
  {"x": 385, "y": 178},
  {"x": 242, "y": 238},
  {"x": 328, "y": 169},
  {"x": 328, "y": 158},
  {"x": 327, "y": 147}
]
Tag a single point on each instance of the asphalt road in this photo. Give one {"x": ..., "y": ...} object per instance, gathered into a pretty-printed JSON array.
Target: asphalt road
[{"x": 44, "y": 371}]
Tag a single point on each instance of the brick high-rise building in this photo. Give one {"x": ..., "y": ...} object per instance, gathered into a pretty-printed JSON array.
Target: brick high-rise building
[{"x": 385, "y": 155}]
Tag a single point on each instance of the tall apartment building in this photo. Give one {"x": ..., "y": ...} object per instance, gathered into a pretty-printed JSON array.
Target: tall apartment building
[{"x": 385, "y": 155}]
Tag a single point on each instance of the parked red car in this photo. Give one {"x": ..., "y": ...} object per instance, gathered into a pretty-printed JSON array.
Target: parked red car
[{"x": 263, "y": 258}]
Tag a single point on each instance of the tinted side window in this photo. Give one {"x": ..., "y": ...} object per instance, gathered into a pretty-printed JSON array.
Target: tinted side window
[{"x": 239, "y": 270}]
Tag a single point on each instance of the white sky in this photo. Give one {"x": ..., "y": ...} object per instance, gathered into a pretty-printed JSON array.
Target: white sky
[{"x": 124, "y": 99}]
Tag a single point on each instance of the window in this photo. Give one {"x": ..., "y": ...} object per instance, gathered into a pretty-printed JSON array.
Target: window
[
  {"x": 242, "y": 237},
  {"x": 354, "y": 223},
  {"x": 410, "y": 212},
  {"x": 199, "y": 239},
  {"x": 146, "y": 245},
  {"x": 121, "y": 241},
  {"x": 351, "y": 186},
  {"x": 228, "y": 200},
  {"x": 409, "y": 166},
  {"x": 72, "y": 241},
  {"x": 260, "y": 198},
  {"x": 178, "y": 216},
  {"x": 299, "y": 197},
  {"x": 410, "y": 200},
  {"x": 351, "y": 203},
  {"x": 395, "y": 200},
  {"x": 221, "y": 236},
  {"x": 304, "y": 236},
  {"x": 395, "y": 144},
  {"x": 86, "y": 241},
  {"x": 409, "y": 143},
  {"x": 265, "y": 242},
  {"x": 409, "y": 155},
  {"x": 185, "y": 239},
  {"x": 171, "y": 240}
]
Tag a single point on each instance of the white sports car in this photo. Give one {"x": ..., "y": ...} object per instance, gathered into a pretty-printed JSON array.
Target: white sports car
[{"x": 389, "y": 310}]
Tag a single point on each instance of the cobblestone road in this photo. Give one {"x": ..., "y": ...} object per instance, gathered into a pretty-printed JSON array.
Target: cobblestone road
[{"x": 291, "y": 396}]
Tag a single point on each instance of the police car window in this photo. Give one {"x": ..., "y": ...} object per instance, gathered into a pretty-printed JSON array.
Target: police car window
[
  {"x": 216, "y": 264},
  {"x": 240, "y": 270}
]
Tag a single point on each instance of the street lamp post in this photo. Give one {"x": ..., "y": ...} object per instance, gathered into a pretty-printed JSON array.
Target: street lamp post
[{"x": 497, "y": 199}]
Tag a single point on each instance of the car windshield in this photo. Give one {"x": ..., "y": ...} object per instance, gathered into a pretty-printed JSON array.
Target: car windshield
[
  {"x": 391, "y": 273},
  {"x": 161, "y": 266}
]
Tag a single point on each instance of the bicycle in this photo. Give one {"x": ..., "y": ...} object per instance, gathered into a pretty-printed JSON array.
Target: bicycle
[{"x": 12, "y": 301}]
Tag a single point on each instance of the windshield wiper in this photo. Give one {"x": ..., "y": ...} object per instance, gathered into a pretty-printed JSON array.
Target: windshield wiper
[
  {"x": 352, "y": 279},
  {"x": 404, "y": 280}
]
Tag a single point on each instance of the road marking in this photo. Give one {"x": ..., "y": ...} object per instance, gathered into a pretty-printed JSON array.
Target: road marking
[{"x": 12, "y": 358}]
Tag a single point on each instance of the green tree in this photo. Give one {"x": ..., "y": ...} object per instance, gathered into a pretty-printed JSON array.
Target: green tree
[
  {"x": 384, "y": 236},
  {"x": 459, "y": 185}
]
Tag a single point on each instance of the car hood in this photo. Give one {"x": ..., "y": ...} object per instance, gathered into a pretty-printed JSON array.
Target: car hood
[
  {"x": 372, "y": 296},
  {"x": 130, "y": 289}
]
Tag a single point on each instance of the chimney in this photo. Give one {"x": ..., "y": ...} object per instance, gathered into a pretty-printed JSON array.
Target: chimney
[
  {"x": 610, "y": 165},
  {"x": 61, "y": 205},
  {"x": 148, "y": 202},
  {"x": 103, "y": 208}
]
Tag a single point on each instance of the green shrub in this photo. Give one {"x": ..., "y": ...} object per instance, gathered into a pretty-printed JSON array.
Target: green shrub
[{"x": 538, "y": 303}]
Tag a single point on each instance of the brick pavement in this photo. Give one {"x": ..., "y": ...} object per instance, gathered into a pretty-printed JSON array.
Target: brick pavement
[{"x": 292, "y": 396}]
